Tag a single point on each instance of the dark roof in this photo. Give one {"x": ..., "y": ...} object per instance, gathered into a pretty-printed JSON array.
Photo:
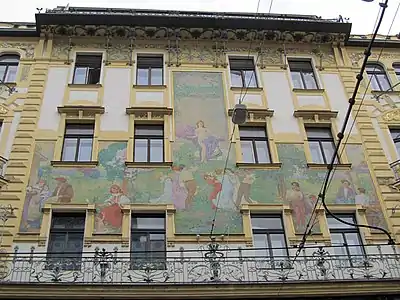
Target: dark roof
[
  {"x": 18, "y": 29},
  {"x": 188, "y": 19}
]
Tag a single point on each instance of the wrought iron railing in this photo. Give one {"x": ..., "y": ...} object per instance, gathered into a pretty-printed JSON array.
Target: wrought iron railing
[
  {"x": 211, "y": 264},
  {"x": 396, "y": 170}
]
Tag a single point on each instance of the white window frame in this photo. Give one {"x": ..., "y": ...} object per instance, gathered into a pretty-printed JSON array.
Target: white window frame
[
  {"x": 137, "y": 53},
  {"x": 313, "y": 65},
  {"x": 77, "y": 52}
]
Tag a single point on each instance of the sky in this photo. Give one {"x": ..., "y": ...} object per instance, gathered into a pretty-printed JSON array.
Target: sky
[{"x": 361, "y": 14}]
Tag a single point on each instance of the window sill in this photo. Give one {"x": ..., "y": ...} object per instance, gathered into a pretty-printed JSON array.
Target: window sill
[
  {"x": 264, "y": 166},
  {"x": 146, "y": 109},
  {"x": 250, "y": 89},
  {"x": 134, "y": 164},
  {"x": 147, "y": 87},
  {"x": 74, "y": 164},
  {"x": 308, "y": 91},
  {"x": 322, "y": 114},
  {"x": 256, "y": 112},
  {"x": 315, "y": 166},
  {"x": 85, "y": 86},
  {"x": 75, "y": 109}
]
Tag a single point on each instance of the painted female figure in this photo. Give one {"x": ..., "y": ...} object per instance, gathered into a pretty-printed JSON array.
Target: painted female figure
[
  {"x": 209, "y": 144},
  {"x": 111, "y": 213},
  {"x": 296, "y": 200}
]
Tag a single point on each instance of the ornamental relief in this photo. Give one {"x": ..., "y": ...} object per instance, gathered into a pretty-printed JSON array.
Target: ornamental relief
[
  {"x": 357, "y": 57},
  {"x": 392, "y": 116},
  {"x": 29, "y": 49}
]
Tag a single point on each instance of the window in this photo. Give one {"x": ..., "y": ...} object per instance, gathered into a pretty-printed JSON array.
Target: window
[
  {"x": 243, "y": 72},
  {"x": 78, "y": 142},
  {"x": 302, "y": 73},
  {"x": 66, "y": 241},
  {"x": 8, "y": 68},
  {"x": 254, "y": 144},
  {"x": 322, "y": 145},
  {"x": 148, "y": 241},
  {"x": 395, "y": 133},
  {"x": 87, "y": 69},
  {"x": 149, "y": 143},
  {"x": 149, "y": 70},
  {"x": 346, "y": 239},
  {"x": 269, "y": 236},
  {"x": 396, "y": 67},
  {"x": 378, "y": 77}
]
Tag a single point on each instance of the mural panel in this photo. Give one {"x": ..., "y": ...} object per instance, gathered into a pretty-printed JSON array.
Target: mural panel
[{"x": 196, "y": 184}]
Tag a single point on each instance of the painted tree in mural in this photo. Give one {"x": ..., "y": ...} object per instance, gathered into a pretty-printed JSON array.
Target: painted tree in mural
[{"x": 112, "y": 159}]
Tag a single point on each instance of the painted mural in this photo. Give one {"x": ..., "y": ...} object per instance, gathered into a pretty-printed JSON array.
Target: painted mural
[{"x": 196, "y": 183}]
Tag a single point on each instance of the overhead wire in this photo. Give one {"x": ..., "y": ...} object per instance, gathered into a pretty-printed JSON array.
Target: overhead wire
[
  {"x": 332, "y": 166},
  {"x": 233, "y": 130}
]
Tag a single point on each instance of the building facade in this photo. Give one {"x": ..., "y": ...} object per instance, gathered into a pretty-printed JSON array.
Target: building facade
[{"x": 123, "y": 167}]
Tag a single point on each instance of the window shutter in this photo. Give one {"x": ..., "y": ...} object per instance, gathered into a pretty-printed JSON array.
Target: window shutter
[
  {"x": 89, "y": 61},
  {"x": 145, "y": 62},
  {"x": 243, "y": 64}
]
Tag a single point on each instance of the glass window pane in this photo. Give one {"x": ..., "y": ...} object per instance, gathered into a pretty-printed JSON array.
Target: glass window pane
[
  {"x": 11, "y": 75},
  {"x": 156, "y": 150},
  {"x": 374, "y": 68},
  {"x": 316, "y": 153},
  {"x": 138, "y": 243},
  {"x": 157, "y": 76},
  {"x": 69, "y": 149},
  {"x": 296, "y": 79},
  {"x": 85, "y": 150},
  {"x": 252, "y": 132},
  {"x": 142, "y": 77},
  {"x": 2, "y": 72},
  {"x": 93, "y": 76},
  {"x": 262, "y": 152},
  {"x": 383, "y": 81},
  {"x": 329, "y": 150},
  {"x": 57, "y": 243},
  {"x": 236, "y": 78},
  {"x": 247, "y": 151},
  {"x": 261, "y": 242},
  {"x": 74, "y": 242},
  {"x": 140, "y": 150},
  {"x": 397, "y": 145},
  {"x": 335, "y": 224},
  {"x": 250, "y": 78},
  {"x": 395, "y": 133},
  {"x": 80, "y": 75},
  {"x": 353, "y": 241},
  {"x": 278, "y": 245},
  {"x": 266, "y": 223},
  {"x": 337, "y": 244},
  {"x": 9, "y": 58},
  {"x": 148, "y": 223},
  {"x": 149, "y": 130},
  {"x": 374, "y": 83},
  {"x": 309, "y": 80}
]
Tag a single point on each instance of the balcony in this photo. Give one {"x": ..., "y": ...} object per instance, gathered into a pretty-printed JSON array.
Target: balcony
[{"x": 208, "y": 264}]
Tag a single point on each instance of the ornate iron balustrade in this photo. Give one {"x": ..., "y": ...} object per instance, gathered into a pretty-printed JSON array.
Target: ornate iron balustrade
[{"x": 211, "y": 264}]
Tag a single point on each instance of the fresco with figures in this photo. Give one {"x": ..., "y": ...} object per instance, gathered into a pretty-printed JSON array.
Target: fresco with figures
[{"x": 196, "y": 183}]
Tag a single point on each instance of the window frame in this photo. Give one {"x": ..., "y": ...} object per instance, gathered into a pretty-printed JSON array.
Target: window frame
[
  {"x": 242, "y": 72},
  {"x": 320, "y": 140},
  {"x": 343, "y": 231},
  {"x": 301, "y": 72},
  {"x": 149, "y": 77},
  {"x": 395, "y": 140},
  {"x": 78, "y": 137},
  {"x": 149, "y": 138},
  {"x": 148, "y": 232},
  {"x": 76, "y": 265},
  {"x": 396, "y": 68},
  {"x": 254, "y": 146},
  {"x": 378, "y": 70},
  {"x": 268, "y": 232},
  {"x": 79, "y": 53},
  {"x": 7, "y": 65}
]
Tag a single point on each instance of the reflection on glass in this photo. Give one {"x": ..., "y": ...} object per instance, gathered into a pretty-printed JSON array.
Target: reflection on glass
[
  {"x": 247, "y": 152},
  {"x": 297, "y": 81},
  {"x": 80, "y": 75},
  {"x": 69, "y": 149},
  {"x": 85, "y": 150},
  {"x": 261, "y": 242},
  {"x": 148, "y": 223},
  {"x": 354, "y": 243},
  {"x": 262, "y": 151},
  {"x": 266, "y": 223},
  {"x": 140, "y": 150},
  {"x": 236, "y": 78},
  {"x": 278, "y": 246},
  {"x": 383, "y": 80},
  {"x": 309, "y": 80},
  {"x": 156, "y": 76},
  {"x": 329, "y": 151},
  {"x": 316, "y": 153},
  {"x": 337, "y": 243},
  {"x": 2, "y": 72},
  {"x": 156, "y": 150},
  {"x": 250, "y": 78},
  {"x": 11, "y": 75},
  {"x": 142, "y": 77}
]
